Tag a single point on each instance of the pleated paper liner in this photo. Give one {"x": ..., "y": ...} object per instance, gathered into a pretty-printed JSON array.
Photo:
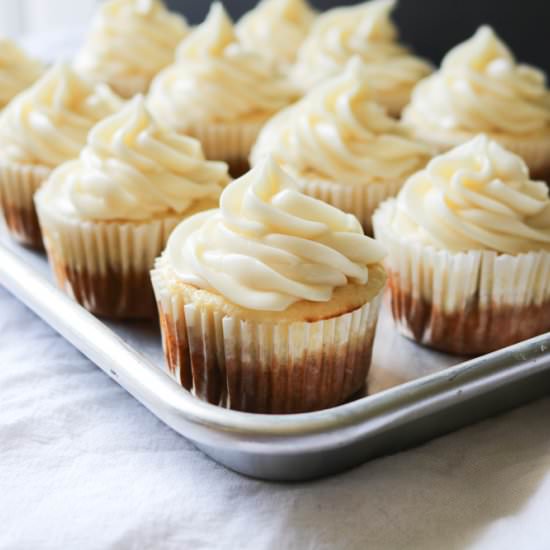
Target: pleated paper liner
[
  {"x": 18, "y": 184},
  {"x": 263, "y": 367},
  {"x": 230, "y": 142},
  {"x": 361, "y": 199},
  {"x": 467, "y": 303},
  {"x": 105, "y": 265},
  {"x": 534, "y": 150}
]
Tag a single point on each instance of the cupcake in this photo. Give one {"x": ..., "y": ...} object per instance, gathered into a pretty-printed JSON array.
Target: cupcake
[
  {"x": 276, "y": 29},
  {"x": 107, "y": 215},
  {"x": 17, "y": 71},
  {"x": 40, "y": 129},
  {"x": 480, "y": 88},
  {"x": 269, "y": 304},
  {"x": 219, "y": 92},
  {"x": 129, "y": 43},
  {"x": 469, "y": 251},
  {"x": 341, "y": 146},
  {"x": 365, "y": 30}
]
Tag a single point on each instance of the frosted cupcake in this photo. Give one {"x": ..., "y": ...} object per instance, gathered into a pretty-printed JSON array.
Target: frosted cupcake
[
  {"x": 469, "y": 251},
  {"x": 276, "y": 29},
  {"x": 219, "y": 92},
  {"x": 365, "y": 30},
  {"x": 130, "y": 41},
  {"x": 107, "y": 215},
  {"x": 17, "y": 71},
  {"x": 481, "y": 88},
  {"x": 40, "y": 129},
  {"x": 341, "y": 146},
  {"x": 269, "y": 304}
]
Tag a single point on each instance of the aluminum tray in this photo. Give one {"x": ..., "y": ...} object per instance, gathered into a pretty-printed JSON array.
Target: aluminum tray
[{"x": 413, "y": 394}]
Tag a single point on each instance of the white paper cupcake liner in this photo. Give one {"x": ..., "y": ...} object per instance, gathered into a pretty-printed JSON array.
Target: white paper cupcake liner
[
  {"x": 231, "y": 143},
  {"x": 18, "y": 184},
  {"x": 264, "y": 367},
  {"x": 361, "y": 199},
  {"x": 105, "y": 265},
  {"x": 469, "y": 302}
]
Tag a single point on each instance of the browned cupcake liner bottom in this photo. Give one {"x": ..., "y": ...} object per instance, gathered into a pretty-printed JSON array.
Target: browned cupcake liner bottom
[
  {"x": 111, "y": 294},
  {"x": 22, "y": 224},
  {"x": 18, "y": 184},
  {"x": 473, "y": 331},
  {"x": 308, "y": 382},
  {"x": 105, "y": 265}
]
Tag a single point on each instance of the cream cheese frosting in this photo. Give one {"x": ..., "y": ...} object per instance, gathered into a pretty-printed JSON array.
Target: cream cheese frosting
[
  {"x": 338, "y": 133},
  {"x": 478, "y": 196},
  {"x": 481, "y": 88},
  {"x": 215, "y": 79},
  {"x": 269, "y": 246},
  {"x": 276, "y": 28},
  {"x": 134, "y": 169},
  {"x": 48, "y": 123},
  {"x": 365, "y": 30},
  {"x": 17, "y": 71},
  {"x": 131, "y": 40}
]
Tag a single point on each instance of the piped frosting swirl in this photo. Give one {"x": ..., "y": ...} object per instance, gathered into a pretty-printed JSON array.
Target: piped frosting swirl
[
  {"x": 269, "y": 246},
  {"x": 276, "y": 28},
  {"x": 338, "y": 133},
  {"x": 130, "y": 40},
  {"x": 17, "y": 71},
  {"x": 481, "y": 88},
  {"x": 477, "y": 196},
  {"x": 216, "y": 79},
  {"x": 48, "y": 123},
  {"x": 365, "y": 30},
  {"x": 134, "y": 169}
]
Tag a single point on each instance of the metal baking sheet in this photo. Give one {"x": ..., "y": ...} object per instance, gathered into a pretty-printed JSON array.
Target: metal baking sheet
[{"x": 413, "y": 394}]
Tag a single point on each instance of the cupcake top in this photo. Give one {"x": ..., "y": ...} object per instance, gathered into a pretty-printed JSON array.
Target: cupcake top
[
  {"x": 215, "y": 79},
  {"x": 269, "y": 246},
  {"x": 481, "y": 88},
  {"x": 365, "y": 30},
  {"x": 131, "y": 40},
  {"x": 17, "y": 71},
  {"x": 276, "y": 28},
  {"x": 338, "y": 133},
  {"x": 47, "y": 124},
  {"x": 134, "y": 169},
  {"x": 477, "y": 196}
]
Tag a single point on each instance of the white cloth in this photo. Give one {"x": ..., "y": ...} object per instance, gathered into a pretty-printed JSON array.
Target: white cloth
[{"x": 84, "y": 466}]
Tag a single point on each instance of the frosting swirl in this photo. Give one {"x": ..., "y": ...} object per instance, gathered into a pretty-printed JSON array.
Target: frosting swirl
[
  {"x": 48, "y": 123},
  {"x": 133, "y": 169},
  {"x": 269, "y": 246},
  {"x": 216, "y": 79},
  {"x": 481, "y": 88},
  {"x": 17, "y": 71},
  {"x": 477, "y": 196},
  {"x": 339, "y": 133},
  {"x": 130, "y": 40},
  {"x": 276, "y": 28},
  {"x": 365, "y": 30}
]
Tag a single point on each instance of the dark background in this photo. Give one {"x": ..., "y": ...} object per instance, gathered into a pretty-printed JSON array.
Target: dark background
[{"x": 432, "y": 27}]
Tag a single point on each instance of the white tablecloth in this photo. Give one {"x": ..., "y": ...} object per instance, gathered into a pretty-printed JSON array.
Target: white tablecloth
[{"x": 84, "y": 466}]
